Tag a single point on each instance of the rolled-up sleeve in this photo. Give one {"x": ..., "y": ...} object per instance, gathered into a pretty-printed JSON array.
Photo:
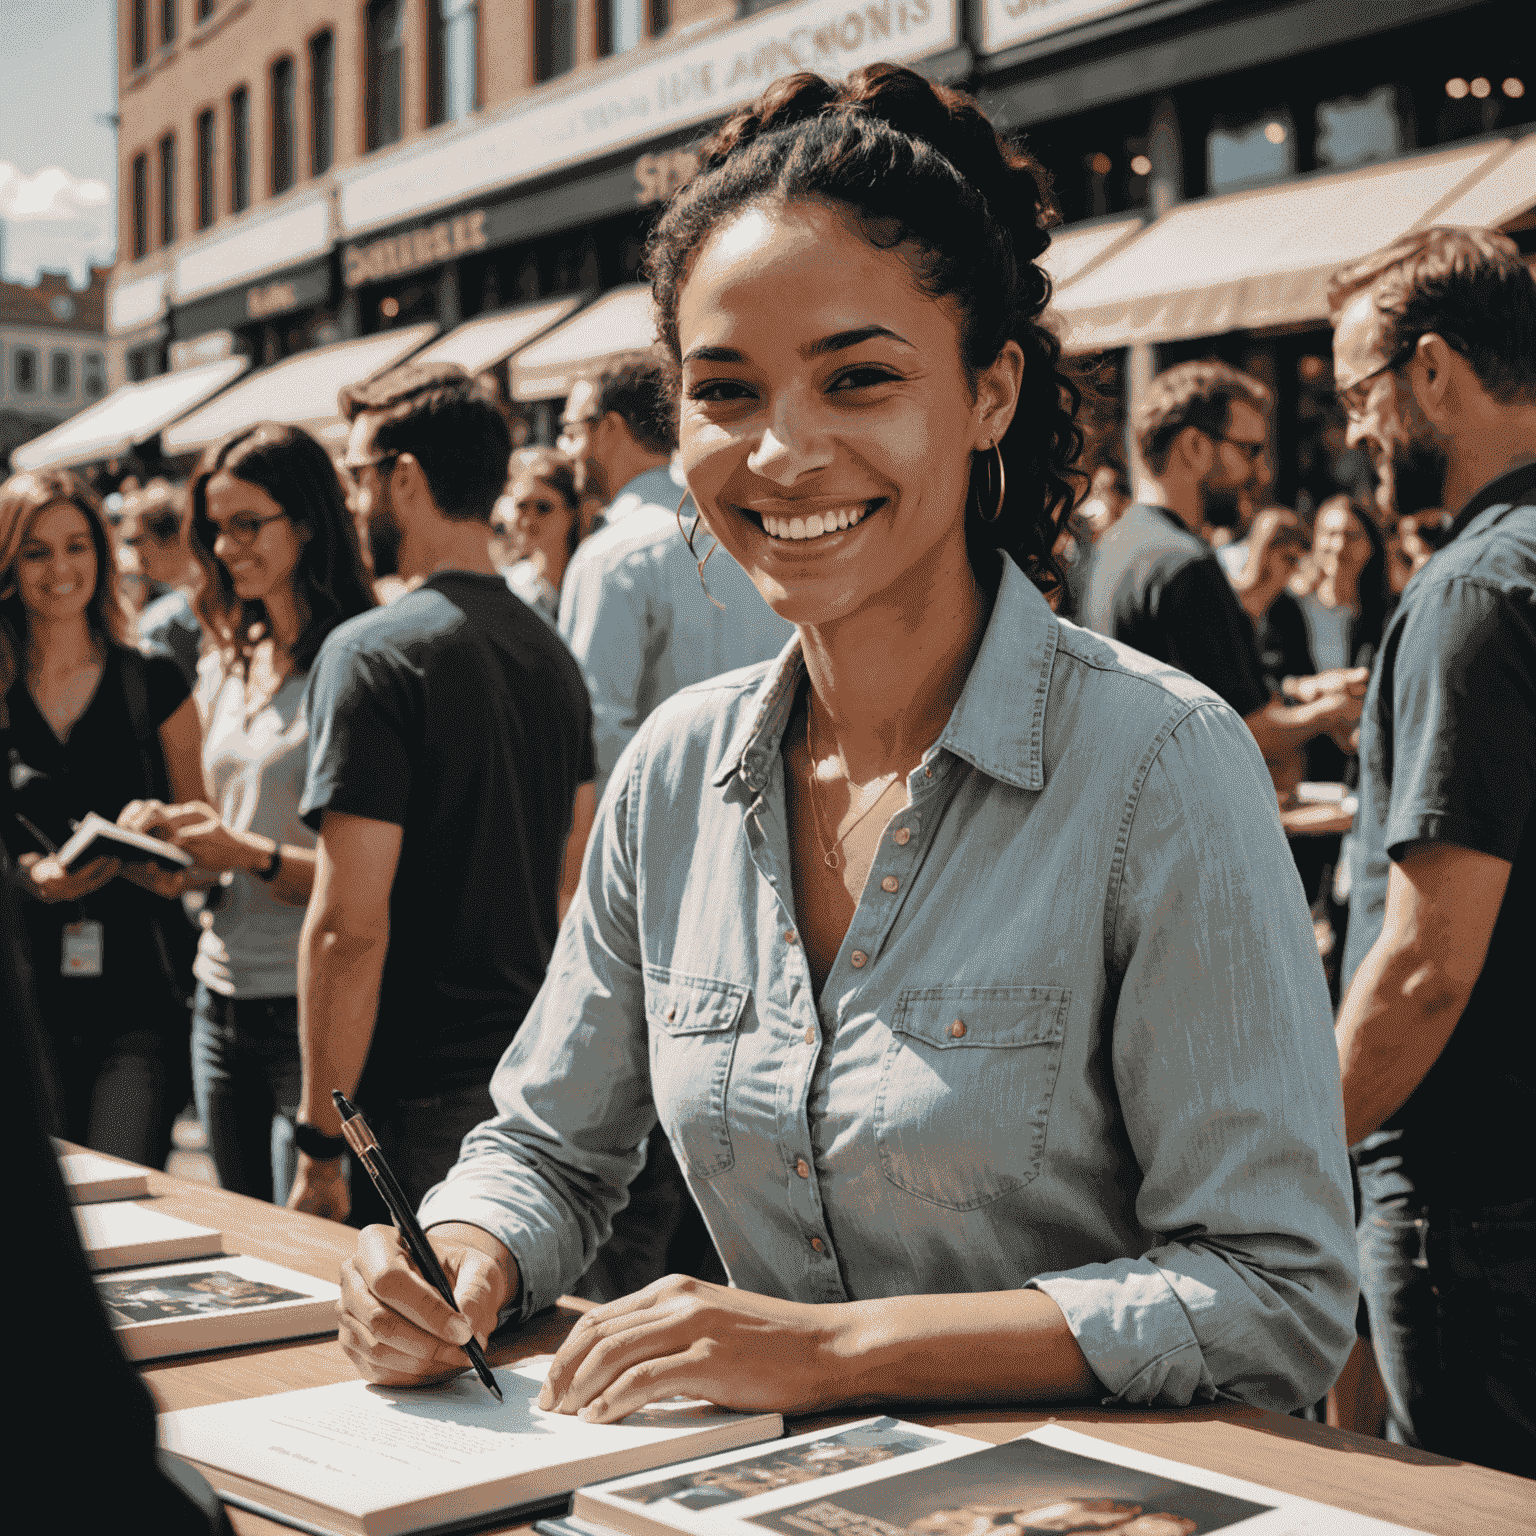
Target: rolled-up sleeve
[
  {"x": 1227, "y": 1076},
  {"x": 549, "y": 1171}
]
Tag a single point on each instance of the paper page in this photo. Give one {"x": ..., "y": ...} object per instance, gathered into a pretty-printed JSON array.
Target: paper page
[{"x": 356, "y": 1447}]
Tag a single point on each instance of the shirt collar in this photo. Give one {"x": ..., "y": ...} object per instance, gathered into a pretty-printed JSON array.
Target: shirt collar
[
  {"x": 998, "y": 724},
  {"x": 1513, "y": 488},
  {"x": 651, "y": 487}
]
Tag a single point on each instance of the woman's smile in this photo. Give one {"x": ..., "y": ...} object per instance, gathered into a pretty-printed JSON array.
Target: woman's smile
[{"x": 812, "y": 520}]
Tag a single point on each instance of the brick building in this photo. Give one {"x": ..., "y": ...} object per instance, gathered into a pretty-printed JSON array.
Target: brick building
[{"x": 52, "y": 353}]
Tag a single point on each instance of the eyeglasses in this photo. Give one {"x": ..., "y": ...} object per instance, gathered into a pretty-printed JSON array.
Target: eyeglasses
[
  {"x": 350, "y": 467},
  {"x": 1252, "y": 451},
  {"x": 244, "y": 528},
  {"x": 1354, "y": 396}
]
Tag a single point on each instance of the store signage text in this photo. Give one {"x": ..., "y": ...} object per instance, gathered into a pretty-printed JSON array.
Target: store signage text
[
  {"x": 1007, "y": 22},
  {"x": 270, "y": 299},
  {"x": 657, "y": 177},
  {"x": 395, "y": 255},
  {"x": 669, "y": 89}
]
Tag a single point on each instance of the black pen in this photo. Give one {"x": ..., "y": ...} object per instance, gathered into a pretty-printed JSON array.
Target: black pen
[{"x": 369, "y": 1154}]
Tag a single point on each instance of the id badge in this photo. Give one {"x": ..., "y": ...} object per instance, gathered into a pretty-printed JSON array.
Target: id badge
[{"x": 83, "y": 949}]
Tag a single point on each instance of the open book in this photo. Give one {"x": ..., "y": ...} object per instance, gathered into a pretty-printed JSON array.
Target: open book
[
  {"x": 90, "y": 1178},
  {"x": 120, "y": 1233},
  {"x": 1052, "y": 1480},
  {"x": 178, "y": 1309},
  {"x": 384, "y": 1460},
  {"x": 96, "y": 838}
]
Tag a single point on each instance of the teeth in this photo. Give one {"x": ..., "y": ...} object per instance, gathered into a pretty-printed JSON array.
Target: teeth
[{"x": 834, "y": 520}]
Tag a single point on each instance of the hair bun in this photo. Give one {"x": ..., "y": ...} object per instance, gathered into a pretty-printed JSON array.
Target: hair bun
[{"x": 789, "y": 100}]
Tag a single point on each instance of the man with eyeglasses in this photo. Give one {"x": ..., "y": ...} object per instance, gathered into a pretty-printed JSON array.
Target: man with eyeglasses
[
  {"x": 1203, "y": 433},
  {"x": 1435, "y": 361}
]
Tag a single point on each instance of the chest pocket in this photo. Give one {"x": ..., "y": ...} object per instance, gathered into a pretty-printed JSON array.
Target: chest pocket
[
  {"x": 691, "y": 1022},
  {"x": 965, "y": 1090}
]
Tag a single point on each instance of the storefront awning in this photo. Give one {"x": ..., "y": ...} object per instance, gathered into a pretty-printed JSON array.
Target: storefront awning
[
  {"x": 1261, "y": 258},
  {"x": 621, "y": 321},
  {"x": 1505, "y": 190},
  {"x": 300, "y": 391},
  {"x": 483, "y": 342},
  {"x": 127, "y": 417},
  {"x": 1076, "y": 247}
]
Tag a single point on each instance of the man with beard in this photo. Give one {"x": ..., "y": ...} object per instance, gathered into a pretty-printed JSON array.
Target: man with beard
[
  {"x": 450, "y": 772},
  {"x": 1435, "y": 359},
  {"x": 1157, "y": 585}
]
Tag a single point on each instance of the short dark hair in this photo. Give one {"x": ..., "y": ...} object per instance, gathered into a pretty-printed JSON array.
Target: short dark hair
[
  {"x": 436, "y": 413},
  {"x": 1199, "y": 395},
  {"x": 1471, "y": 287},
  {"x": 635, "y": 385}
]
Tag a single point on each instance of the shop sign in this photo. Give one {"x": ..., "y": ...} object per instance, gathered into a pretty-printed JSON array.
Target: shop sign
[
  {"x": 1005, "y": 23},
  {"x": 211, "y": 347},
  {"x": 671, "y": 88},
  {"x": 395, "y": 255},
  {"x": 254, "y": 247},
  {"x": 657, "y": 177}
]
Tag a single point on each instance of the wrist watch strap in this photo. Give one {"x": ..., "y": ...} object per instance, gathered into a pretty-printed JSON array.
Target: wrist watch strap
[
  {"x": 313, "y": 1142},
  {"x": 275, "y": 863}
]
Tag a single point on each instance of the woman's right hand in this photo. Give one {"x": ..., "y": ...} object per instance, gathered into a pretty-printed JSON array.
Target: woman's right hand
[
  {"x": 48, "y": 880},
  {"x": 395, "y": 1328}
]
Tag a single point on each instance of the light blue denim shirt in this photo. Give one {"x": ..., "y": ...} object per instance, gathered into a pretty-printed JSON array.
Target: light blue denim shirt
[
  {"x": 636, "y": 617},
  {"x": 1077, "y": 1035}
]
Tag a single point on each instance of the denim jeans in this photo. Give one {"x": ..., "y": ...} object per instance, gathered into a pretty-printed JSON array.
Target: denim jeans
[
  {"x": 1451, "y": 1294},
  {"x": 245, "y": 1078}
]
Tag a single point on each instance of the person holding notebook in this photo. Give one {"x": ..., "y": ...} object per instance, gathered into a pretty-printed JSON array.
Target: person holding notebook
[{"x": 958, "y": 952}]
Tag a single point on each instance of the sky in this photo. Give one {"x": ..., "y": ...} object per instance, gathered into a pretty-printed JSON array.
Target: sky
[{"x": 58, "y": 162}]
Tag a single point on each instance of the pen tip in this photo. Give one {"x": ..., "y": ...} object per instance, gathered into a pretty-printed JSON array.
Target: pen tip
[{"x": 339, "y": 1099}]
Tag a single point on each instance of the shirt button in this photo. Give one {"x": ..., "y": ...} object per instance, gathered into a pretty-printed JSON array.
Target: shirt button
[
  {"x": 818, "y": 1245},
  {"x": 803, "y": 1168},
  {"x": 789, "y": 936},
  {"x": 810, "y": 1037},
  {"x": 903, "y": 836},
  {"x": 859, "y": 959},
  {"x": 890, "y": 883},
  {"x": 957, "y": 1029},
  {"x": 671, "y": 1014},
  {"x": 927, "y": 773}
]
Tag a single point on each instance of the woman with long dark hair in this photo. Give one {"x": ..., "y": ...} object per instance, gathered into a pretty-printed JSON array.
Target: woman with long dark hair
[
  {"x": 88, "y": 724},
  {"x": 281, "y": 569},
  {"x": 958, "y": 952}
]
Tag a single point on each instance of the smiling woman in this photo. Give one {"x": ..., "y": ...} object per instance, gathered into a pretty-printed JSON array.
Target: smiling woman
[{"x": 957, "y": 952}]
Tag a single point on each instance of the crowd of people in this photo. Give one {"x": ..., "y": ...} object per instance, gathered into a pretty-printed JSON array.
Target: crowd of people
[{"x": 801, "y": 848}]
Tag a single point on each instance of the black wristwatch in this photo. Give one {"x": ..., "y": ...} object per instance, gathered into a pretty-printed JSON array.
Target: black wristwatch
[
  {"x": 313, "y": 1142},
  {"x": 275, "y": 863}
]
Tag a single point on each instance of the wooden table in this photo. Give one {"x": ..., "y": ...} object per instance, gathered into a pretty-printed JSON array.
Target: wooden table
[{"x": 1416, "y": 1489}]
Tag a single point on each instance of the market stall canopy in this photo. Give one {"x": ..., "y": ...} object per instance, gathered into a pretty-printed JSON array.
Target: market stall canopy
[
  {"x": 1262, "y": 258},
  {"x": 1505, "y": 190},
  {"x": 1074, "y": 248},
  {"x": 127, "y": 417},
  {"x": 483, "y": 342},
  {"x": 621, "y": 321},
  {"x": 300, "y": 391}
]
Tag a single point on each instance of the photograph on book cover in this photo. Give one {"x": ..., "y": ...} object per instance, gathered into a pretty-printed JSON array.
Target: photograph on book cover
[
  {"x": 195, "y": 1293},
  {"x": 1018, "y": 1489},
  {"x": 861, "y": 1446}
]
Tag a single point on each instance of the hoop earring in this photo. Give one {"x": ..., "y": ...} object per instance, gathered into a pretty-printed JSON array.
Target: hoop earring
[
  {"x": 688, "y": 534},
  {"x": 1002, "y": 485}
]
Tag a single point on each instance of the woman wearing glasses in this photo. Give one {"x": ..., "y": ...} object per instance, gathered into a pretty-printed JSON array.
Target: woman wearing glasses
[
  {"x": 281, "y": 568},
  {"x": 87, "y": 723},
  {"x": 545, "y": 523}
]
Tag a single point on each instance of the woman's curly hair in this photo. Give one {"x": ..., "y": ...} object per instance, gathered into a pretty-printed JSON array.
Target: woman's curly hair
[{"x": 920, "y": 166}]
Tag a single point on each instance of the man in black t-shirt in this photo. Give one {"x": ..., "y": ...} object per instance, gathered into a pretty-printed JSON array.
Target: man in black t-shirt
[
  {"x": 1435, "y": 357},
  {"x": 450, "y": 780},
  {"x": 1202, "y": 432}
]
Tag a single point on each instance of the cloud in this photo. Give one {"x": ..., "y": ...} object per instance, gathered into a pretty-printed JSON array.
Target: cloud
[{"x": 53, "y": 219}]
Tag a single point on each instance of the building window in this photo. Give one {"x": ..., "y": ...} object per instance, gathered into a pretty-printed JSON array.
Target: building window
[
  {"x": 1357, "y": 130},
  {"x": 207, "y": 148},
  {"x": 168, "y": 189},
  {"x": 61, "y": 373},
  {"x": 167, "y": 22},
  {"x": 554, "y": 49},
  {"x": 383, "y": 45},
  {"x": 1249, "y": 153},
  {"x": 239, "y": 149},
  {"x": 284, "y": 130},
  {"x": 623, "y": 23},
  {"x": 453, "y": 43},
  {"x": 93, "y": 376},
  {"x": 140, "y": 206},
  {"x": 140, "y": 33},
  {"x": 24, "y": 370},
  {"x": 322, "y": 102}
]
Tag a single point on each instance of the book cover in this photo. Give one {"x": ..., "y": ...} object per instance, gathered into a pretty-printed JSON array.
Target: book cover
[
  {"x": 91, "y": 1178},
  {"x": 179, "y": 1309},
  {"x": 96, "y": 837},
  {"x": 381, "y": 1461},
  {"x": 122, "y": 1233}
]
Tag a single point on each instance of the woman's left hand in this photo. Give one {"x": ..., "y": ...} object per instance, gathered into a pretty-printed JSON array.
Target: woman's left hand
[
  {"x": 195, "y": 828},
  {"x": 681, "y": 1336}
]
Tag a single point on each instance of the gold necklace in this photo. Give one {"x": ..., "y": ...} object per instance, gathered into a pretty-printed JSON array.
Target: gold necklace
[{"x": 830, "y": 856}]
